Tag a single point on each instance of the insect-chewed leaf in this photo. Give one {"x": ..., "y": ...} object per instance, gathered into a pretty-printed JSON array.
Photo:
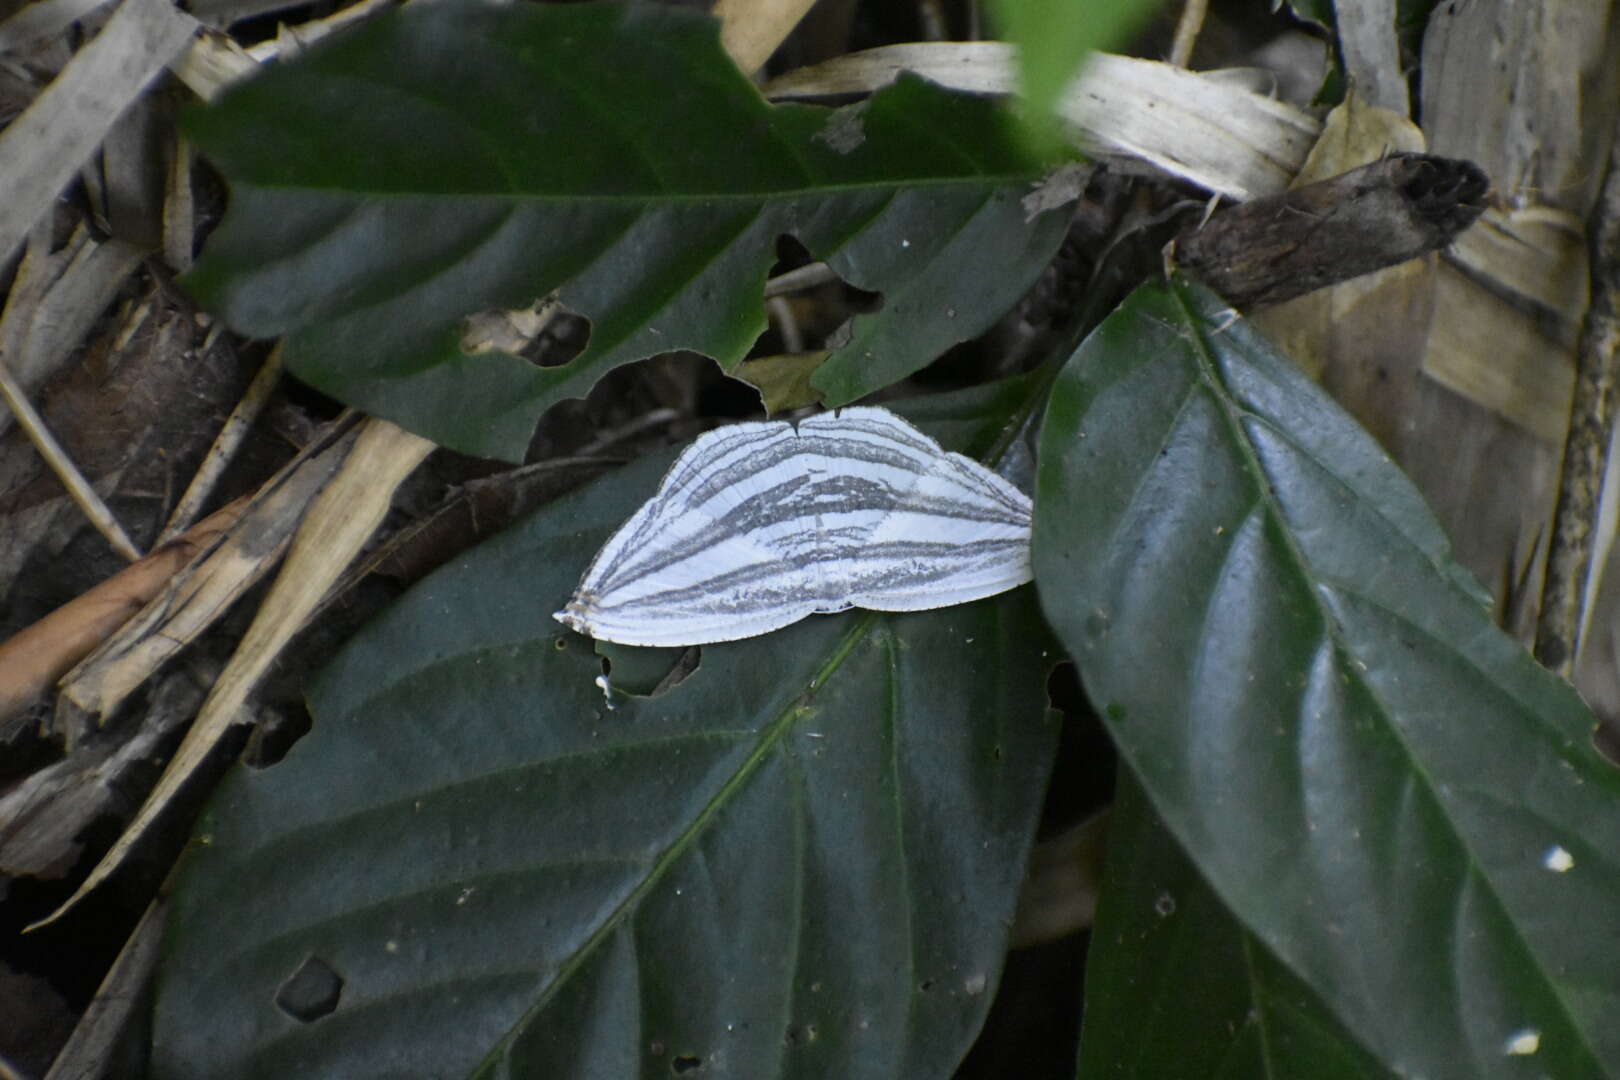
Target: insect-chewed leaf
[
  {"x": 757, "y": 525},
  {"x": 463, "y": 157}
]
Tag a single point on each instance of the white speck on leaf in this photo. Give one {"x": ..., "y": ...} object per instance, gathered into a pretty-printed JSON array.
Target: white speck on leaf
[
  {"x": 1558, "y": 860},
  {"x": 1522, "y": 1043}
]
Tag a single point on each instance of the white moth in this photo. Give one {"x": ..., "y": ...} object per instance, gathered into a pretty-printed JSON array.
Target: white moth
[{"x": 757, "y": 525}]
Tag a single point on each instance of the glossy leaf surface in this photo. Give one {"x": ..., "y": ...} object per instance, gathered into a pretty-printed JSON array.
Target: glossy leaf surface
[
  {"x": 458, "y": 158},
  {"x": 800, "y": 861},
  {"x": 1175, "y": 987},
  {"x": 1374, "y": 779}
]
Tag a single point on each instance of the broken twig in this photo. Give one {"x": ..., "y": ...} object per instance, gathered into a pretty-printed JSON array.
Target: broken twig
[
  {"x": 1276, "y": 248},
  {"x": 1591, "y": 429}
]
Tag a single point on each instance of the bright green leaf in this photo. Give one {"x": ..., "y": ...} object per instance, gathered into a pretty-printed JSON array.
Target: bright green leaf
[
  {"x": 1175, "y": 988},
  {"x": 800, "y": 861},
  {"x": 460, "y": 158},
  {"x": 1380, "y": 785},
  {"x": 1054, "y": 37}
]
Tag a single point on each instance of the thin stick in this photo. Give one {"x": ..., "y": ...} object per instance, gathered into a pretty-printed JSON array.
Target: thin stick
[
  {"x": 805, "y": 277},
  {"x": 1591, "y": 427},
  {"x": 781, "y": 316},
  {"x": 1187, "y": 29},
  {"x": 226, "y": 444},
  {"x": 78, "y": 487}
]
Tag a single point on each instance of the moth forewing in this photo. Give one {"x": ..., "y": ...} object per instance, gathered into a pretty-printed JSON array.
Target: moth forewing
[{"x": 757, "y": 525}]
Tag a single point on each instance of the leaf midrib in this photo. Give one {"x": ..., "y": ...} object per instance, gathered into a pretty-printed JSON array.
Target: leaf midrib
[
  {"x": 769, "y": 740},
  {"x": 1232, "y": 413},
  {"x": 770, "y": 737},
  {"x": 619, "y": 199}
]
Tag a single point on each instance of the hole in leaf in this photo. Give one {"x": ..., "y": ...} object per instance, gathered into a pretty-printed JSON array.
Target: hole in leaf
[
  {"x": 1082, "y": 779},
  {"x": 311, "y": 992},
  {"x": 809, "y": 308},
  {"x": 685, "y": 1063},
  {"x": 790, "y": 255},
  {"x": 812, "y": 297},
  {"x": 279, "y": 727},
  {"x": 545, "y": 333},
  {"x": 645, "y": 672},
  {"x": 862, "y": 302},
  {"x": 1606, "y": 740}
]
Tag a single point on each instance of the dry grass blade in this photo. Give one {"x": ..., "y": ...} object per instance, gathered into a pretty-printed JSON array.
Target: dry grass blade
[
  {"x": 1522, "y": 91},
  {"x": 55, "y": 300},
  {"x": 1219, "y": 135},
  {"x": 179, "y": 206},
  {"x": 342, "y": 518},
  {"x": 212, "y": 63},
  {"x": 1187, "y": 29},
  {"x": 291, "y": 38},
  {"x": 48, "y": 818},
  {"x": 805, "y": 277},
  {"x": 194, "y": 600},
  {"x": 43, "y": 20},
  {"x": 220, "y": 455},
  {"x": 1513, "y": 291},
  {"x": 78, "y": 487},
  {"x": 1372, "y": 54},
  {"x": 751, "y": 30},
  {"x": 32, "y": 659},
  {"x": 42, "y": 149}
]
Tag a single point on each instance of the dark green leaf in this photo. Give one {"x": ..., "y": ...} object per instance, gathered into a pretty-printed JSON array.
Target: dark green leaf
[
  {"x": 459, "y": 158},
  {"x": 800, "y": 861},
  {"x": 1175, "y": 987},
  {"x": 1370, "y": 775}
]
